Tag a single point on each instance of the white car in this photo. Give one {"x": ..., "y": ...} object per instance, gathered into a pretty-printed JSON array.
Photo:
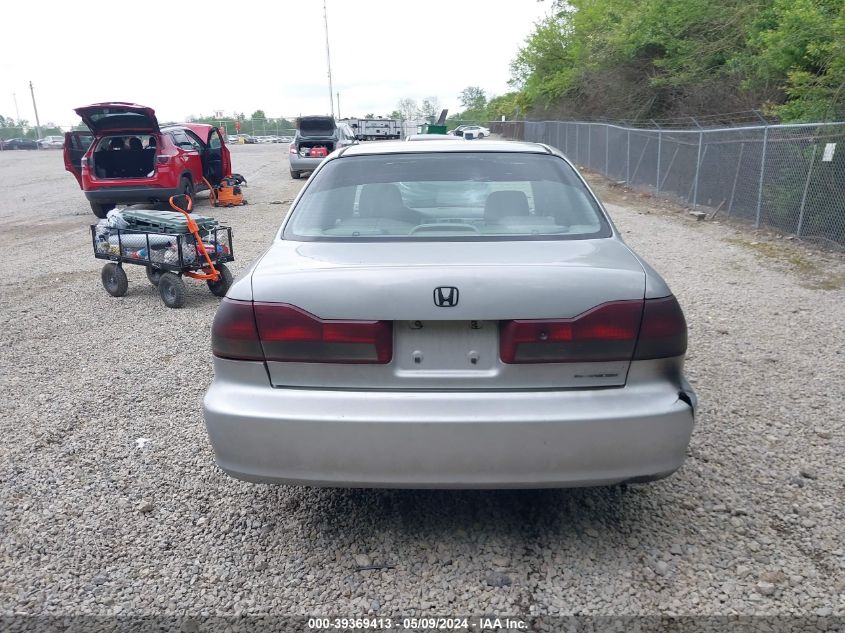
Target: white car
[
  {"x": 473, "y": 131},
  {"x": 51, "y": 142}
]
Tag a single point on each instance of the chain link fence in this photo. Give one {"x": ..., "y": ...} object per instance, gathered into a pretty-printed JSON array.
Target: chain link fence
[
  {"x": 258, "y": 127},
  {"x": 790, "y": 178}
]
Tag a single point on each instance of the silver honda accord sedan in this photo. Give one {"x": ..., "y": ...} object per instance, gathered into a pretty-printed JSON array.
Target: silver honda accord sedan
[{"x": 449, "y": 315}]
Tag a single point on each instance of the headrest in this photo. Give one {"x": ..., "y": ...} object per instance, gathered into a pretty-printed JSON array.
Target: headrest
[
  {"x": 501, "y": 204},
  {"x": 380, "y": 200}
]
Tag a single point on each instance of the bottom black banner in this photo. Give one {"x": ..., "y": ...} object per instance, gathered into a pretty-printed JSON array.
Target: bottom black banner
[{"x": 420, "y": 624}]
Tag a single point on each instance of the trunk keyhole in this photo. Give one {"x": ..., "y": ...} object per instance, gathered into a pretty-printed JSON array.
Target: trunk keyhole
[
  {"x": 418, "y": 357},
  {"x": 473, "y": 357}
]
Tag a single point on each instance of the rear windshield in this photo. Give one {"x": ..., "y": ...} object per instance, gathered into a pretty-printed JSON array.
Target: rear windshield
[{"x": 446, "y": 196}]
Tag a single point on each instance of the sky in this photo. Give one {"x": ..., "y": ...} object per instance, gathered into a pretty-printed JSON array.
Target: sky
[{"x": 186, "y": 57}]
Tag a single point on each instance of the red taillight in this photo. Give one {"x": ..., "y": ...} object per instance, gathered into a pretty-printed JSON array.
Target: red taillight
[
  {"x": 605, "y": 333},
  {"x": 664, "y": 330},
  {"x": 244, "y": 330},
  {"x": 234, "y": 334},
  {"x": 621, "y": 330},
  {"x": 292, "y": 150},
  {"x": 289, "y": 334}
]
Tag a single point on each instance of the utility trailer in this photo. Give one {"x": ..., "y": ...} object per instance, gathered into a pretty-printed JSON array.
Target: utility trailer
[{"x": 375, "y": 129}]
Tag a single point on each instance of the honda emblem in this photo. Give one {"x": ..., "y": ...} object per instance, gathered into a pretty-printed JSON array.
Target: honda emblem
[{"x": 446, "y": 296}]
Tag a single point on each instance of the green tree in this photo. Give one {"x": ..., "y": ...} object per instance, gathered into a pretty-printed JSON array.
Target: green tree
[
  {"x": 258, "y": 114},
  {"x": 654, "y": 58},
  {"x": 507, "y": 105},
  {"x": 800, "y": 46},
  {"x": 473, "y": 98}
]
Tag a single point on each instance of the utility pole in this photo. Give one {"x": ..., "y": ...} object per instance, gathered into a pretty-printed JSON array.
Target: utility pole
[
  {"x": 17, "y": 113},
  {"x": 34, "y": 107},
  {"x": 338, "y": 105},
  {"x": 328, "y": 57}
]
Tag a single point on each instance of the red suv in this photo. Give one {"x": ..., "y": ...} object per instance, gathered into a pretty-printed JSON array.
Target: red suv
[{"x": 127, "y": 158}]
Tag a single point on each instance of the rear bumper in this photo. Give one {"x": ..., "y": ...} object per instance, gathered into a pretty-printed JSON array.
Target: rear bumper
[
  {"x": 131, "y": 195},
  {"x": 423, "y": 439},
  {"x": 298, "y": 163}
]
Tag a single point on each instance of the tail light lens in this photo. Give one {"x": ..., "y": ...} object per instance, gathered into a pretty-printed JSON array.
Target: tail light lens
[
  {"x": 664, "y": 330},
  {"x": 620, "y": 330},
  {"x": 279, "y": 332},
  {"x": 605, "y": 333},
  {"x": 84, "y": 163},
  {"x": 234, "y": 334},
  {"x": 290, "y": 334},
  {"x": 292, "y": 149}
]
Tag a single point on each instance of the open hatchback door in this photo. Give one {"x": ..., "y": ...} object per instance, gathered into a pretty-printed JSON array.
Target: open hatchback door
[{"x": 118, "y": 117}]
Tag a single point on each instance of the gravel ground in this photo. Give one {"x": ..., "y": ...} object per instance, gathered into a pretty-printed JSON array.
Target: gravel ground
[{"x": 111, "y": 503}]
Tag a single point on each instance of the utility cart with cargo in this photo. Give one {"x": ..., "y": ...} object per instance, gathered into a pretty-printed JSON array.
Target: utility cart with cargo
[{"x": 169, "y": 244}]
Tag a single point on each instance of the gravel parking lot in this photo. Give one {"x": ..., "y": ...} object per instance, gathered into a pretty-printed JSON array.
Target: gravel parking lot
[{"x": 110, "y": 502}]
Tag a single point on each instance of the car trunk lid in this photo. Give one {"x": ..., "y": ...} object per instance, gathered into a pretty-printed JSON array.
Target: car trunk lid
[
  {"x": 454, "y": 345},
  {"x": 316, "y": 126},
  {"x": 118, "y": 117}
]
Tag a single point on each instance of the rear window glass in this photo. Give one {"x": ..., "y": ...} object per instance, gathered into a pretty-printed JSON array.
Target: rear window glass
[
  {"x": 446, "y": 196},
  {"x": 99, "y": 116}
]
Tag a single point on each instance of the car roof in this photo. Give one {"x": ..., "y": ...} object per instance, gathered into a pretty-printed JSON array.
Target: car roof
[
  {"x": 409, "y": 147},
  {"x": 182, "y": 126}
]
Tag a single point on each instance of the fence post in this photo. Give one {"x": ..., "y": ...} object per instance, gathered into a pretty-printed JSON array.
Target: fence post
[
  {"x": 577, "y": 143},
  {"x": 697, "y": 166},
  {"x": 659, "y": 150},
  {"x": 628, "y": 160},
  {"x": 804, "y": 195},
  {"x": 606, "y": 149},
  {"x": 736, "y": 177},
  {"x": 589, "y": 145},
  {"x": 762, "y": 173}
]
